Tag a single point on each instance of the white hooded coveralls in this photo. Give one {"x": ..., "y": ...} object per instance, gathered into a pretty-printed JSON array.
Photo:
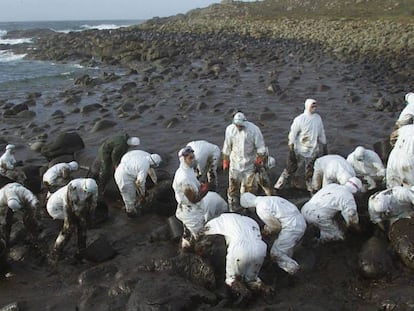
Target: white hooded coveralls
[
  {"x": 322, "y": 207},
  {"x": 194, "y": 215},
  {"x": 407, "y": 114},
  {"x": 58, "y": 201},
  {"x": 293, "y": 226},
  {"x": 58, "y": 175},
  {"x": 15, "y": 196},
  {"x": 307, "y": 132},
  {"x": 131, "y": 175},
  {"x": 400, "y": 166},
  {"x": 207, "y": 157},
  {"x": 7, "y": 162},
  {"x": 242, "y": 147},
  {"x": 391, "y": 204},
  {"x": 245, "y": 247},
  {"x": 329, "y": 169},
  {"x": 369, "y": 168}
]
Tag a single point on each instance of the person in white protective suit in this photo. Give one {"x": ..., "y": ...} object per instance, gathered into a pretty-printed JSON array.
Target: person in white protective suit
[
  {"x": 279, "y": 216},
  {"x": 400, "y": 165},
  {"x": 367, "y": 166},
  {"x": 8, "y": 162},
  {"x": 243, "y": 153},
  {"x": 131, "y": 175},
  {"x": 387, "y": 206},
  {"x": 59, "y": 175},
  {"x": 75, "y": 204},
  {"x": 246, "y": 250},
  {"x": 331, "y": 168},
  {"x": 306, "y": 135},
  {"x": 406, "y": 117},
  {"x": 15, "y": 197},
  {"x": 326, "y": 203},
  {"x": 195, "y": 204},
  {"x": 207, "y": 157}
]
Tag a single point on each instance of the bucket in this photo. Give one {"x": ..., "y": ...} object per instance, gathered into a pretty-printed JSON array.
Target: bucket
[{"x": 176, "y": 227}]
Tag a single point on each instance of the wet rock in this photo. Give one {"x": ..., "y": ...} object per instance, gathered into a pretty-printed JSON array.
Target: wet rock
[
  {"x": 90, "y": 108},
  {"x": 102, "y": 125},
  {"x": 33, "y": 180},
  {"x": 167, "y": 292},
  {"x": 401, "y": 236},
  {"x": 103, "y": 273},
  {"x": 374, "y": 259},
  {"x": 65, "y": 143},
  {"x": 128, "y": 87},
  {"x": 86, "y": 80},
  {"x": 26, "y": 114},
  {"x": 99, "y": 250},
  {"x": 14, "y": 306}
]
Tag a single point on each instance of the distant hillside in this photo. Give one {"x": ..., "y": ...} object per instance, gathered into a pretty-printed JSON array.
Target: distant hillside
[{"x": 269, "y": 9}]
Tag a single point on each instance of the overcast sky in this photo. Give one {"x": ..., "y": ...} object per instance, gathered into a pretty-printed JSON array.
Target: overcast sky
[{"x": 41, "y": 10}]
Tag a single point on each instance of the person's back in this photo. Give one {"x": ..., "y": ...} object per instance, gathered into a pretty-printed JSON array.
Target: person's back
[
  {"x": 400, "y": 164},
  {"x": 279, "y": 208},
  {"x": 329, "y": 169}
]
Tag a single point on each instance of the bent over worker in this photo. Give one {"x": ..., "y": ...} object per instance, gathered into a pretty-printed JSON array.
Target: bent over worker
[
  {"x": 15, "y": 197},
  {"x": 59, "y": 175},
  {"x": 387, "y": 206},
  {"x": 326, "y": 203},
  {"x": 75, "y": 203},
  {"x": 131, "y": 175},
  {"x": 243, "y": 151},
  {"x": 279, "y": 216},
  {"x": 207, "y": 157}
]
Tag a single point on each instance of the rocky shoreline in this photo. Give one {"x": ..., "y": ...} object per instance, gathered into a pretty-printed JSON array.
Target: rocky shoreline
[{"x": 173, "y": 80}]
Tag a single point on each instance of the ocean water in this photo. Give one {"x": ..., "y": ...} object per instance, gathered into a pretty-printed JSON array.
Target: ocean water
[{"x": 19, "y": 75}]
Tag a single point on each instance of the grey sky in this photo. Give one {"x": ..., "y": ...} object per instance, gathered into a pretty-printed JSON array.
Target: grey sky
[{"x": 40, "y": 10}]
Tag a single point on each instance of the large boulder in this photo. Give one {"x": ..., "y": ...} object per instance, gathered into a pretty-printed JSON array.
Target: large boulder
[{"x": 65, "y": 143}]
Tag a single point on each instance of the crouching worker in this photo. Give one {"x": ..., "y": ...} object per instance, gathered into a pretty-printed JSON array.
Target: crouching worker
[
  {"x": 246, "y": 251},
  {"x": 387, "y": 206},
  {"x": 131, "y": 175},
  {"x": 195, "y": 204},
  {"x": 279, "y": 216},
  {"x": 326, "y": 203},
  {"x": 75, "y": 204},
  {"x": 59, "y": 175},
  {"x": 13, "y": 198}
]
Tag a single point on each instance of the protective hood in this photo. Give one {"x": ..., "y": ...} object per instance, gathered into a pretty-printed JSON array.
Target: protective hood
[
  {"x": 155, "y": 160},
  {"x": 133, "y": 141},
  {"x": 409, "y": 98},
  {"x": 247, "y": 200},
  {"x": 354, "y": 184},
  {"x": 308, "y": 104},
  {"x": 239, "y": 119},
  {"x": 10, "y": 147},
  {"x": 73, "y": 165},
  {"x": 359, "y": 153}
]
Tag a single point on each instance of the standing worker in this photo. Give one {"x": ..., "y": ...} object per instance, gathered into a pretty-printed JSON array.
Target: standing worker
[
  {"x": 131, "y": 175},
  {"x": 207, "y": 157},
  {"x": 306, "y": 134},
  {"x": 243, "y": 153},
  {"x": 279, "y": 216},
  {"x": 109, "y": 156}
]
